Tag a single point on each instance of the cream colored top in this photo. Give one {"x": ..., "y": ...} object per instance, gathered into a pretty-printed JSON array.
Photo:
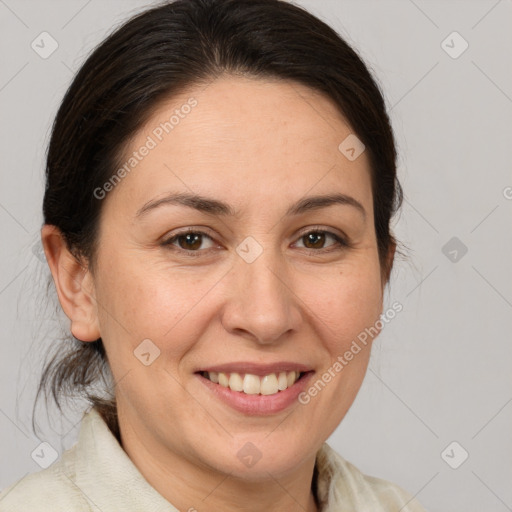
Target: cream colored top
[{"x": 96, "y": 475}]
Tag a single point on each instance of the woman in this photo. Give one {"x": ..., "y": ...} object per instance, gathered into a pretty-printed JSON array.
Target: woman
[{"x": 220, "y": 183}]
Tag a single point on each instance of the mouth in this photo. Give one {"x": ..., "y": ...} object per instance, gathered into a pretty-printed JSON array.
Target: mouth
[
  {"x": 251, "y": 384},
  {"x": 254, "y": 388}
]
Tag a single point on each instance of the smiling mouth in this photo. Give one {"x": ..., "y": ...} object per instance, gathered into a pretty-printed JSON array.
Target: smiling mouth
[{"x": 250, "y": 384}]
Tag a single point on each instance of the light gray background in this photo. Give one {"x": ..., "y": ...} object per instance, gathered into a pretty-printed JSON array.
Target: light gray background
[{"x": 441, "y": 370}]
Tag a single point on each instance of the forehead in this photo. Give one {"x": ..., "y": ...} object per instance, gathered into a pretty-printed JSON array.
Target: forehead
[{"x": 240, "y": 136}]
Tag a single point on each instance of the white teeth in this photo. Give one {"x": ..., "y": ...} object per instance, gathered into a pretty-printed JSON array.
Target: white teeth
[
  {"x": 223, "y": 379},
  {"x": 291, "y": 378},
  {"x": 282, "y": 381},
  {"x": 269, "y": 384},
  {"x": 235, "y": 382},
  {"x": 253, "y": 384}
]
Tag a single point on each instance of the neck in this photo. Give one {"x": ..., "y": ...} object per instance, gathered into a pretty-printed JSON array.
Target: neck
[{"x": 194, "y": 487}]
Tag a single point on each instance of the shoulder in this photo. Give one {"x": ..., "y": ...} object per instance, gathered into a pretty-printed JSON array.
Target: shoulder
[
  {"x": 49, "y": 490},
  {"x": 342, "y": 483}
]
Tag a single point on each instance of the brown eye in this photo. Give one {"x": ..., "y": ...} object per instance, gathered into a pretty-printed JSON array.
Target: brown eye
[
  {"x": 189, "y": 241},
  {"x": 315, "y": 240}
]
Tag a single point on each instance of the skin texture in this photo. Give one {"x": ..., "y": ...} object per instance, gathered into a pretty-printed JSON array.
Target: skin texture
[{"x": 260, "y": 146}]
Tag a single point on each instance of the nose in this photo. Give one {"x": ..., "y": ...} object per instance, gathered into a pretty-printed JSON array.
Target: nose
[{"x": 261, "y": 303}]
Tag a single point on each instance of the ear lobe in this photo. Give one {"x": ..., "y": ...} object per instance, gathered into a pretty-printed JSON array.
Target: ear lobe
[{"x": 74, "y": 285}]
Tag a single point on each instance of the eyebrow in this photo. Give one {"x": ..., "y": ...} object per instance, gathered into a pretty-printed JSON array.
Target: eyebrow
[{"x": 215, "y": 207}]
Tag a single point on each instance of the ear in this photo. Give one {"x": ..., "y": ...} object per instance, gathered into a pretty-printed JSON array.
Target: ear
[
  {"x": 74, "y": 284},
  {"x": 390, "y": 257}
]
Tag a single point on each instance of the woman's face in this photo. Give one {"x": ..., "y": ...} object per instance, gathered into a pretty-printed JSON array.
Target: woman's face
[{"x": 251, "y": 290}]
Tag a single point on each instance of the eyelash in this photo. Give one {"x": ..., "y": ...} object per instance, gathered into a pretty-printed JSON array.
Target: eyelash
[{"x": 340, "y": 242}]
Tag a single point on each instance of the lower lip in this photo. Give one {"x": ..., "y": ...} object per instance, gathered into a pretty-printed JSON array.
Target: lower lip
[{"x": 258, "y": 405}]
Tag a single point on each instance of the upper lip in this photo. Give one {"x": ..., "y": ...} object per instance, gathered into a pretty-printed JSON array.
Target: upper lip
[{"x": 255, "y": 368}]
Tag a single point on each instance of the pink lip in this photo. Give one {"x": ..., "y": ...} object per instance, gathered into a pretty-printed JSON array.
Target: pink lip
[
  {"x": 257, "y": 369},
  {"x": 257, "y": 405}
]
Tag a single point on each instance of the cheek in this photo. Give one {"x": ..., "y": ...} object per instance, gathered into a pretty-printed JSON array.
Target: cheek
[
  {"x": 347, "y": 303},
  {"x": 138, "y": 303}
]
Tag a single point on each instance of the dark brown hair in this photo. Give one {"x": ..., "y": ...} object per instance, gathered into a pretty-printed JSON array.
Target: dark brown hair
[{"x": 158, "y": 54}]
